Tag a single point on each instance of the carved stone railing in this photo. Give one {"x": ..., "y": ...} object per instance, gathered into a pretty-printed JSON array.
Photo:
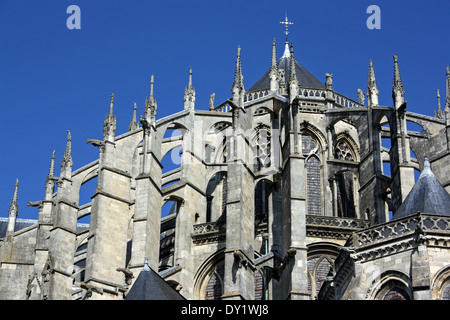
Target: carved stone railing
[
  {"x": 425, "y": 223},
  {"x": 333, "y": 227},
  {"x": 223, "y": 107},
  {"x": 345, "y": 102},
  {"x": 303, "y": 93},
  {"x": 253, "y": 95},
  {"x": 337, "y": 222},
  {"x": 208, "y": 232}
]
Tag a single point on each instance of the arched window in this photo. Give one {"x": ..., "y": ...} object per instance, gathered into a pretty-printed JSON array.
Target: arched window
[
  {"x": 310, "y": 149},
  {"x": 259, "y": 286},
  {"x": 345, "y": 181},
  {"x": 396, "y": 293},
  {"x": 263, "y": 191},
  {"x": 214, "y": 287},
  {"x": 446, "y": 292},
  {"x": 216, "y": 197},
  {"x": 215, "y": 284},
  {"x": 261, "y": 147},
  {"x": 319, "y": 269},
  {"x": 394, "y": 289},
  {"x": 343, "y": 151},
  {"x": 345, "y": 195}
]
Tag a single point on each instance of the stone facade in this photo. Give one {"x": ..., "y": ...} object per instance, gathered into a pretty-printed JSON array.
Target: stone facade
[{"x": 279, "y": 194}]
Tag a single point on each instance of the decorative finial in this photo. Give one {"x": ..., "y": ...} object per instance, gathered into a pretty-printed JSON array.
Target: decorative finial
[
  {"x": 14, "y": 205},
  {"x": 111, "y": 105},
  {"x": 292, "y": 71},
  {"x": 109, "y": 125},
  {"x": 67, "y": 158},
  {"x": 426, "y": 172},
  {"x": 397, "y": 78},
  {"x": 51, "y": 170},
  {"x": 372, "y": 89},
  {"x": 398, "y": 92},
  {"x": 146, "y": 266},
  {"x": 152, "y": 82},
  {"x": 133, "y": 124},
  {"x": 238, "y": 77},
  {"x": 439, "y": 114},
  {"x": 189, "y": 93},
  {"x": 190, "y": 77},
  {"x": 150, "y": 104},
  {"x": 273, "y": 65},
  {"x": 286, "y": 23},
  {"x": 211, "y": 101},
  {"x": 12, "y": 212}
]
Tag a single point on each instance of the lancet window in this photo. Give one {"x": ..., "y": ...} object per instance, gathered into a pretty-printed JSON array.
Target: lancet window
[
  {"x": 345, "y": 181},
  {"x": 310, "y": 149},
  {"x": 261, "y": 147}
]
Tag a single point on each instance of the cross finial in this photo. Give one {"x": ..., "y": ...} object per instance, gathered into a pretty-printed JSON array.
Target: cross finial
[{"x": 286, "y": 23}]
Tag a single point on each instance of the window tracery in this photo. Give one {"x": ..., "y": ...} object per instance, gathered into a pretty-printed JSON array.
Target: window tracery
[
  {"x": 343, "y": 151},
  {"x": 261, "y": 147},
  {"x": 310, "y": 149}
]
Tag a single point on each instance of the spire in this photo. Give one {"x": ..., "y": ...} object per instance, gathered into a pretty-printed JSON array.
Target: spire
[
  {"x": 13, "y": 211},
  {"x": 51, "y": 170},
  {"x": 292, "y": 71},
  {"x": 189, "y": 94},
  {"x": 109, "y": 126},
  {"x": 398, "y": 92},
  {"x": 274, "y": 78},
  {"x": 439, "y": 114},
  {"x": 111, "y": 105},
  {"x": 273, "y": 65},
  {"x": 49, "y": 183},
  {"x": 293, "y": 81},
  {"x": 13, "y": 206},
  {"x": 238, "y": 84},
  {"x": 372, "y": 89},
  {"x": 152, "y": 82},
  {"x": 150, "y": 104},
  {"x": 133, "y": 124},
  {"x": 67, "y": 163},
  {"x": 190, "y": 77}
]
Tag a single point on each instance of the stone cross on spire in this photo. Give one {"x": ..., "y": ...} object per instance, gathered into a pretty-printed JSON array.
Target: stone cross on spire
[{"x": 286, "y": 23}]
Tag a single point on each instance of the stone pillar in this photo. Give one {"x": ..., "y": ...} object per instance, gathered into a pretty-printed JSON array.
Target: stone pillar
[
  {"x": 147, "y": 209},
  {"x": 239, "y": 253},
  {"x": 62, "y": 239},
  {"x": 294, "y": 275},
  {"x": 239, "y": 280},
  {"x": 107, "y": 242}
]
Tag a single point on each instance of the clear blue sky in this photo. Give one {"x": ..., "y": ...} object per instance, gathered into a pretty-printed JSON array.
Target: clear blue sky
[{"x": 53, "y": 79}]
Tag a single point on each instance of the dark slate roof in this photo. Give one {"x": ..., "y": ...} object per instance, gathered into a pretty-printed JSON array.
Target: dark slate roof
[
  {"x": 150, "y": 286},
  {"x": 427, "y": 196},
  {"x": 25, "y": 223},
  {"x": 20, "y": 224},
  {"x": 305, "y": 78}
]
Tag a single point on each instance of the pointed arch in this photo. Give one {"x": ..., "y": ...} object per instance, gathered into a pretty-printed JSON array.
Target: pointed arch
[
  {"x": 391, "y": 285},
  {"x": 216, "y": 197},
  {"x": 261, "y": 141},
  {"x": 311, "y": 149},
  {"x": 345, "y": 196},
  {"x": 263, "y": 190},
  {"x": 345, "y": 148}
]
